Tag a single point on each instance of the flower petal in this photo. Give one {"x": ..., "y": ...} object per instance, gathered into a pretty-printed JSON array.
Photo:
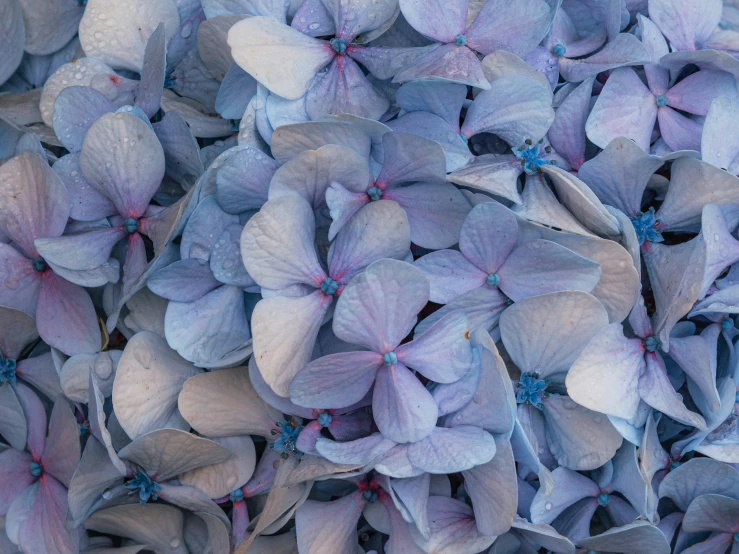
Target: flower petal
[
  {"x": 80, "y": 251},
  {"x": 685, "y": 25},
  {"x": 517, "y": 27},
  {"x": 436, "y": 19},
  {"x": 451, "y": 450},
  {"x": 75, "y": 110},
  {"x": 314, "y": 536},
  {"x": 62, "y": 450}
]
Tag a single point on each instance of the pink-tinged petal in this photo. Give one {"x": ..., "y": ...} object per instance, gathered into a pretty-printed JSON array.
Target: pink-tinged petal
[
  {"x": 678, "y": 131},
  {"x": 657, "y": 391},
  {"x": 449, "y": 63},
  {"x": 435, "y": 212},
  {"x": 310, "y": 173},
  {"x": 277, "y": 244},
  {"x": 223, "y": 403},
  {"x": 675, "y": 273},
  {"x": 657, "y": 77},
  {"x": 284, "y": 330},
  {"x": 15, "y": 476},
  {"x": 517, "y": 27},
  {"x": 567, "y": 133},
  {"x": 409, "y": 158},
  {"x": 450, "y": 275},
  {"x": 720, "y": 139},
  {"x": 686, "y": 25},
  {"x": 85, "y": 202},
  {"x": 349, "y": 427},
  {"x": 281, "y": 58},
  {"x": 624, "y": 50},
  {"x": 578, "y": 438},
  {"x": 605, "y": 377},
  {"x": 488, "y": 236},
  {"x": 451, "y": 450},
  {"x": 149, "y": 378},
  {"x": 482, "y": 305},
  {"x": 44, "y": 524},
  {"x": 379, "y": 230},
  {"x": 443, "y": 353},
  {"x": 619, "y": 175},
  {"x": 33, "y": 201},
  {"x": 442, "y": 99},
  {"x": 66, "y": 317},
  {"x": 453, "y": 529},
  {"x": 183, "y": 281},
  {"x": 492, "y": 488},
  {"x": 625, "y": 108},
  {"x": 335, "y": 381},
  {"x": 130, "y": 170},
  {"x": 546, "y": 333},
  {"x": 541, "y": 266},
  {"x": 370, "y": 311},
  {"x": 315, "y": 537},
  {"x": 403, "y": 409},
  {"x": 515, "y": 108},
  {"x": 345, "y": 89},
  {"x": 437, "y": 19},
  {"x": 62, "y": 451},
  {"x": 692, "y": 182},
  {"x": 239, "y": 523},
  {"x": 496, "y": 174},
  {"x": 435, "y": 128},
  {"x": 12, "y": 418},
  {"x": 625, "y": 538},
  {"x": 80, "y": 251},
  {"x": 569, "y": 487},
  {"x": 695, "y": 93},
  {"x": 19, "y": 283},
  {"x": 343, "y": 204},
  {"x": 35, "y": 420},
  {"x": 209, "y": 329},
  {"x": 306, "y": 441}
]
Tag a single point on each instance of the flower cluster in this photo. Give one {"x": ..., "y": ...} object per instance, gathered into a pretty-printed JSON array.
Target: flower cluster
[{"x": 369, "y": 276}]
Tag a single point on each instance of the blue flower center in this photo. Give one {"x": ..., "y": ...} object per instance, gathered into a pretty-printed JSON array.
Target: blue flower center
[
  {"x": 329, "y": 286},
  {"x": 375, "y": 193},
  {"x": 338, "y": 45},
  {"x": 727, "y": 324},
  {"x": 559, "y": 50},
  {"x": 35, "y": 469},
  {"x": 236, "y": 496},
  {"x": 674, "y": 465},
  {"x": 604, "y": 499},
  {"x": 531, "y": 156},
  {"x": 531, "y": 390},
  {"x": 369, "y": 496},
  {"x": 325, "y": 419},
  {"x": 652, "y": 343},
  {"x": 645, "y": 225},
  {"x": 130, "y": 225},
  {"x": 287, "y": 436},
  {"x": 84, "y": 429},
  {"x": 661, "y": 101},
  {"x": 736, "y": 537},
  {"x": 460, "y": 40},
  {"x": 39, "y": 264},
  {"x": 7, "y": 370},
  {"x": 143, "y": 483},
  {"x": 493, "y": 280},
  {"x": 389, "y": 359},
  {"x": 736, "y": 397},
  {"x": 170, "y": 81}
]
